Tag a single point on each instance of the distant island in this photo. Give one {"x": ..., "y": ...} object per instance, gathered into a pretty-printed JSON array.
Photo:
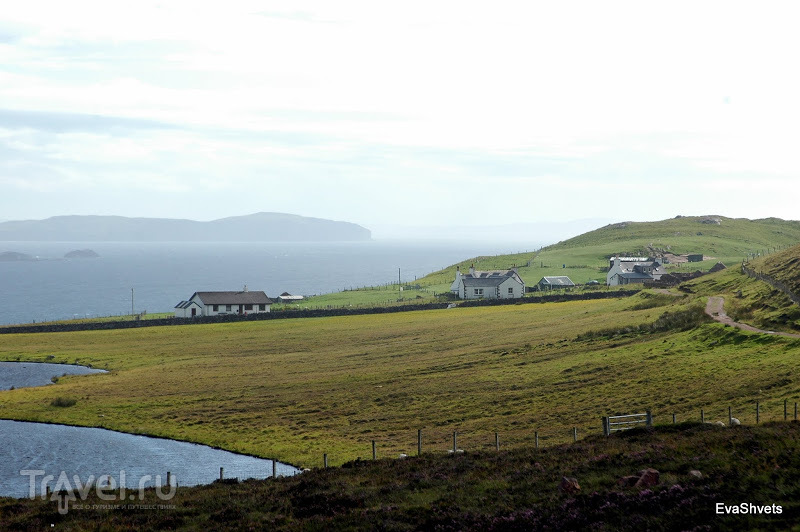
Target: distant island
[
  {"x": 14, "y": 256},
  {"x": 82, "y": 254},
  {"x": 259, "y": 227}
]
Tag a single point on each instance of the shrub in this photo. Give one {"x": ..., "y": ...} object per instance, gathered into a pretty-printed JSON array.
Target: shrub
[{"x": 63, "y": 402}]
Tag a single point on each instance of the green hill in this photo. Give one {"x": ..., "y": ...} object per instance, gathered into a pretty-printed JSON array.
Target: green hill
[{"x": 585, "y": 257}]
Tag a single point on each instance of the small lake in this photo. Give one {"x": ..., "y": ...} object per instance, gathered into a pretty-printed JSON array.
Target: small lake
[
  {"x": 92, "y": 453},
  {"x": 27, "y": 374}
]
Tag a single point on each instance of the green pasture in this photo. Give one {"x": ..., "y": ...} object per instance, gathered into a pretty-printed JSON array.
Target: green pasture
[{"x": 295, "y": 389}]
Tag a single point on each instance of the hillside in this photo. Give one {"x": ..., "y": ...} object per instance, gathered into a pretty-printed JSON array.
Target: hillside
[
  {"x": 585, "y": 257},
  {"x": 699, "y": 466},
  {"x": 259, "y": 227},
  {"x": 782, "y": 266}
]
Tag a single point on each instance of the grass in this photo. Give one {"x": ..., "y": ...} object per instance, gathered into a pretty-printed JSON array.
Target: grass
[
  {"x": 514, "y": 489},
  {"x": 295, "y": 389}
]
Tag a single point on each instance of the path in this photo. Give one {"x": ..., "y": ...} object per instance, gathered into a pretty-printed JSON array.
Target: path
[{"x": 714, "y": 308}]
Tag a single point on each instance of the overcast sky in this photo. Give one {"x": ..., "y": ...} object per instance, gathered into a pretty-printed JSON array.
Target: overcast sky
[{"x": 401, "y": 113}]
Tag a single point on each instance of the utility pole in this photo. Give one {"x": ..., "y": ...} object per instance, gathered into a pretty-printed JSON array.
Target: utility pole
[
  {"x": 399, "y": 286},
  {"x": 132, "y": 303}
]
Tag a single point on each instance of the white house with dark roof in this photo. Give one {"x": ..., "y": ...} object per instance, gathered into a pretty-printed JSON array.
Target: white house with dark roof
[
  {"x": 495, "y": 284},
  {"x": 558, "y": 281},
  {"x": 628, "y": 270},
  {"x": 219, "y": 303}
]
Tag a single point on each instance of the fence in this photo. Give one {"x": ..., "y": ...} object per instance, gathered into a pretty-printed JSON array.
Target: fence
[
  {"x": 770, "y": 281},
  {"x": 438, "y": 440}
]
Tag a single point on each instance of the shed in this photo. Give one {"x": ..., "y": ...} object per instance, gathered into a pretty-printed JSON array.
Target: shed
[{"x": 550, "y": 283}]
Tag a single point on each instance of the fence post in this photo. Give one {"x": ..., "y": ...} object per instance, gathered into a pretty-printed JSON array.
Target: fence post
[
  {"x": 455, "y": 440},
  {"x": 702, "y": 416},
  {"x": 785, "y": 411},
  {"x": 673, "y": 418},
  {"x": 758, "y": 408},
  {"x": 496, "y": 441},
  {"x": 419, "y": 442},
  {"x": 373, "y": 450},
  {"x": 325, "y": 459},
  {"x": 605, "y": 426},
  {"x": 169, "y": 479},
  {"x": 730, "y": 417},
  {"x": 574, "y": 434},
  {"x": 221, "y": 473},
  {"x": 536, "y": 439},
  {"x": 274, "y": 468},
  {"x": 649, "y": 418}
]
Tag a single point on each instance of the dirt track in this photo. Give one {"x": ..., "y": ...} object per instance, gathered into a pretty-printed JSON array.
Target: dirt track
[{"x": 714, "y": 308}]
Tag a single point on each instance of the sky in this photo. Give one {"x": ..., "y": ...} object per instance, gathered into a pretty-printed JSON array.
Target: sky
[{"x": 400, "y": 115}]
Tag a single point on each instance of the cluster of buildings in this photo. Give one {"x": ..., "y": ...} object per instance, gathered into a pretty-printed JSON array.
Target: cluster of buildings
[{"x": 475, "y": 284}]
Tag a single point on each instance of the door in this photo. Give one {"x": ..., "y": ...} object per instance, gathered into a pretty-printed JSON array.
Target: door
[{"x": 194, "y": 312}]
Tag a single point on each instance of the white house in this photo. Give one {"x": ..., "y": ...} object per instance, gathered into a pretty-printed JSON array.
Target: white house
[
  {"x": 218, "y": 303},
  {"x": 496, "y": 284},
  {"x": 286, "y": 297},
  {"x": 627, "y": 270}
]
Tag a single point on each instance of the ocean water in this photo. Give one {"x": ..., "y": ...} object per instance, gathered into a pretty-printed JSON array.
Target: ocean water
[{"x": 161, "y": 274}]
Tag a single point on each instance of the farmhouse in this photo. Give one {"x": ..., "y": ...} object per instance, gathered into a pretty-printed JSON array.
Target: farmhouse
[
  {"x": 627, "y": 270},
  {"x": 560, "y": 281},
  {"x": 218, "y": 303},
  {"x": 495, "y": 284}
]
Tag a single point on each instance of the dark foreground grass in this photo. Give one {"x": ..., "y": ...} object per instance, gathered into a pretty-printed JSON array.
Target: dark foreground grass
[{"x": 515, "y": 489}]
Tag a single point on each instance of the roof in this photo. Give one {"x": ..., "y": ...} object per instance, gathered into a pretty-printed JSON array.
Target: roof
[
  {"x": 559, "y": 280},
  {"x": 185, "y": 304},
  {"x": 635, "y": 275},
  {"x": 256, "y": 297},
  {"x": 489, "y": 278}
]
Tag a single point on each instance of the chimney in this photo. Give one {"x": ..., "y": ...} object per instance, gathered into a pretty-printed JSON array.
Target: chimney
[
  {"x": 472, "y": 269},
  {"x": 245, "y": 288}
]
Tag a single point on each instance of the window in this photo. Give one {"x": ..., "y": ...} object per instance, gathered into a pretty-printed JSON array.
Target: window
[
  {"x": 228, "y": 308},
  {"x": 511, "y": 290},
  {"x": 248, "y": 307},
  {"x": 478, "y": 291},
  {"x": 262, "y": 308},
  {"x": 216, "y": 308}
]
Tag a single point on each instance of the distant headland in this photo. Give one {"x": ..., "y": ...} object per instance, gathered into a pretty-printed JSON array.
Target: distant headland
[{"x": 259, "y": 227}]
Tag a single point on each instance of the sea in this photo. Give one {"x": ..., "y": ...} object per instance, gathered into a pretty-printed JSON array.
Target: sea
[{"x": 153, "y": 277}]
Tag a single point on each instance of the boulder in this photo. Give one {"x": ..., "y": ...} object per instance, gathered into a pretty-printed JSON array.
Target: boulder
[
  {"x": 629, "y": 481},
  {"x": 694, "y": 473},
  {"x": 647, "y": 478},
  {"x": 569, "y": 485},
  {"x": 735, "y": 422}
]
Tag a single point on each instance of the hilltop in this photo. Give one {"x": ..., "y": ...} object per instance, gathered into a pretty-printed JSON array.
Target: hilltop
[{"x": 259, "y": 227}]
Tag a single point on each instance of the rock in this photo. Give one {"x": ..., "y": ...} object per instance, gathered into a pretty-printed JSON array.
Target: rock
[
  {"x": 14, "y": 256},
  {"x": 569, "y": 485},
  {"x": 694, "y": 473},
  {"x": 403, "y": 455},
  {"x": 719, "y": 423},
  {"x": 647, "y": 478},
  {"x": 628, "y": 481},
  {"x": 735, "y": 422}
]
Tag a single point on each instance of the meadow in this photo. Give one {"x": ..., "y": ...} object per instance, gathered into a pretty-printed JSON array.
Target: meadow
[{"x": 295, "y": 389}]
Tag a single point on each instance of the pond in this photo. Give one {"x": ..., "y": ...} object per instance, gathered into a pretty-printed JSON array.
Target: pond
[
  {"x": 39, "y": 455},
  {"x": 27, "y": 374}
]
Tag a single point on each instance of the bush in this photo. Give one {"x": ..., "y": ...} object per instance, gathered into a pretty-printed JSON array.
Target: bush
[{"x": 63, "y": 402}]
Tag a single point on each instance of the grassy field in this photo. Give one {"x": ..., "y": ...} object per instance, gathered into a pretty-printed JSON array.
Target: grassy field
[{"x": 295, "y": 389}]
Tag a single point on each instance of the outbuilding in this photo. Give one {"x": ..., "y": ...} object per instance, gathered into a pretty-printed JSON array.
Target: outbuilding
[{"x": 550, "y": 283}]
